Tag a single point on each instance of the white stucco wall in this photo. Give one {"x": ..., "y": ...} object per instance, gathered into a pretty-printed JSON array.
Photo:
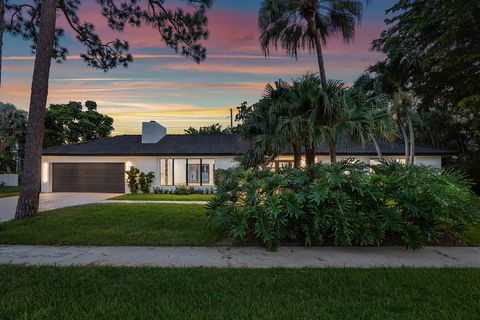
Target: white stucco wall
[
  {"x": 145, "y": 164},
  {"x": 157, "y": 165},
  {"x": 434, "y": 161},
  {"x": 9, "y": 179}
]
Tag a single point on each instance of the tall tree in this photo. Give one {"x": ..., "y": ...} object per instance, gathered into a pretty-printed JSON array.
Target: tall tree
[
  {"x": 259, "y": 126},
  {"x": 13, "y": 127},
  {"x": 368, "y": 93},
  {"x": 179, "y": 29},
  {"x": 70, "y": 123},
  {"x": 391, "y": 77},
  {"x": 30, "y": 189},
  {"x": 211, "y": 129},
  {"x": 443, "y": 37},
  {"x": 2, "y": 23},
  {"x": 307, "y": 24}
]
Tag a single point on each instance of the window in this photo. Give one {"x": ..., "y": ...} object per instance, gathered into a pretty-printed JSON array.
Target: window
[
  {"x": 279, "y": 164},
  {"x": 194, "y": 174}
]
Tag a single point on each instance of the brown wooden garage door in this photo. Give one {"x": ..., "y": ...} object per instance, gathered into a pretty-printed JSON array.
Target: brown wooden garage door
[{"x": 88, "y": 177}]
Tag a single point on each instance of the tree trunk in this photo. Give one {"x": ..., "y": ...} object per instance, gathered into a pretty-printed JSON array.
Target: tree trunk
[
  {"x": 411, "y": 134},
  {"x": 377, "y": 148},
  {"x": 318, "y": 48},
  {"x": 309, "y": 155},
  {"x": 332, "y": 148},
  {"x": 297, "y": 156},
  {"x": 29, "y": 193},
  {"x": 2, "y": 26},
  {"x": 405, "y": 140}
]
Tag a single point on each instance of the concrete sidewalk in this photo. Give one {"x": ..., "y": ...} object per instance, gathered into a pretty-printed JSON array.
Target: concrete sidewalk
[
  {"x": 242, "y": 257},
  {"x": 155, "y": 201}
]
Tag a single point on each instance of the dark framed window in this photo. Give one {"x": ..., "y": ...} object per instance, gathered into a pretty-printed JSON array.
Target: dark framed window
[
  {"x": 205, "y": 173},
  {"x": 193, "y": 173}
]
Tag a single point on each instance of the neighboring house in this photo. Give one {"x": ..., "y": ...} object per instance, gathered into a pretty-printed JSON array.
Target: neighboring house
[{"x": 99, "y": 166}]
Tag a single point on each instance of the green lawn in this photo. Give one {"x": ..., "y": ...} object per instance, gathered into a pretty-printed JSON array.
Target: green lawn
[
  {"x": 165, "y": 197},
  {"x": 114, "y": 224},
  {"x": 9, "y": 192},
  {"x": 473, "y": 235},
  {"x": 203, "y": 293}
]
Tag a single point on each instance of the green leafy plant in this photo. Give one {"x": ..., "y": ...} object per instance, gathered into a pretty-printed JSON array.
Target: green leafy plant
[
  {"x": 346, "y": 203},
  {"x": 145, "y": 181},
  {"x": 132, "y": 179}
]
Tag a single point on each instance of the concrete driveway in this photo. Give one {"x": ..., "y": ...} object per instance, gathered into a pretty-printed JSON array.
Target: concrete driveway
[{"x": 50, "y": 201}]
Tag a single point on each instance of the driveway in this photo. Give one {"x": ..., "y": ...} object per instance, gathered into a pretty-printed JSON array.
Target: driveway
[{"x": 50, "y": 201}]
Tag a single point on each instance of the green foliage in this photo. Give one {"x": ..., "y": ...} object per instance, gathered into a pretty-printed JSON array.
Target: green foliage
[
  {"x": 13, "y": 128},
  {"x": 211, "y": 129},
  {"x": 145, "y": 181},
  {"x": 69, "y": 123},
  {"x": 305, "y": 113},
  {"x": 344, "y": 204},
  {"x": 181, "y": 29},
  {"x": 132, "y": 179},
  {"x": 137, "y": 180},
  {"x": 436, "y": 46},
  {"x": 306, "y": 25}
]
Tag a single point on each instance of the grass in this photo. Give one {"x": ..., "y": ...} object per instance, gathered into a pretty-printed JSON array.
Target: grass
[
  {"x": 164, "y": 197},
  {"x": 9, "y": 192},
  {"x": 473, "y": 235},
  {"x": 203, "y": 293},
  {"x": 114, "y": 224}
]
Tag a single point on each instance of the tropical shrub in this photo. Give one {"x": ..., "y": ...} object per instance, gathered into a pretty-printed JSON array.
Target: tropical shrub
[
  {"x": 132, "y": 179},
  {"x": 137, "y": 180},
  {"x": 346, "y": 203},
  {"x": 145, "y": 181}
]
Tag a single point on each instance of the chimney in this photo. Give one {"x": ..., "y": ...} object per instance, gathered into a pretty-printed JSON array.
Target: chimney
[{"x": 152, "y": 132}]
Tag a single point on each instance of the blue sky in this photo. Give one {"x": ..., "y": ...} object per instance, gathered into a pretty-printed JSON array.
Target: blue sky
[{"x": 175, "y": 91}]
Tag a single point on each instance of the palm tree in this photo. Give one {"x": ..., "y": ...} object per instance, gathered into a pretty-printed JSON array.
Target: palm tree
[
  {"x": 263, "y": 128},
  {"x": 307, "y": 24},
  {"x": 309, "y": 113},
  {"x": 390, "y": 76},
  {"x": 380, "y": 123}
]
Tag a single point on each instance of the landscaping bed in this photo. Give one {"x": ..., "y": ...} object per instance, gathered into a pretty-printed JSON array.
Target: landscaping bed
[
  {"x": 143, "y": 225},
  {"x": 114, "y": 224},
  {"x": 6, "y": 192},
  {"x": 164, "y": 197},
  {"x": 204, "y": 293},
  {"x": 347, "y": 204}
]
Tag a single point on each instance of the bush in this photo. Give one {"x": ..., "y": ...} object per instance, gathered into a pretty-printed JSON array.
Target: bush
[
  {"x": 137, "y": 180},
  {"x": 132, "y": 179},
  {"x": 344, "y": 204},
  {"x": 145, "y": 181}
]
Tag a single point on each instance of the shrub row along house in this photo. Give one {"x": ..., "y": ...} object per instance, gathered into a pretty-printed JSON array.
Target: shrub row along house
[{"x": 99, "y": 166}]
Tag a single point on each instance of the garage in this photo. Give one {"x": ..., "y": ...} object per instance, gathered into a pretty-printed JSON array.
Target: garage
[{"x": 88, "y": 177}]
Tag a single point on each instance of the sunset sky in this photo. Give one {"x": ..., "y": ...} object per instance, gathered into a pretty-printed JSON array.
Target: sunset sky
[{"x": 173, "y": 90}]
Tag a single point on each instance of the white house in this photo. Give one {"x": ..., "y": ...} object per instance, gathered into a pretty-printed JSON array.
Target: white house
[{"x": 99, "y": 166}]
